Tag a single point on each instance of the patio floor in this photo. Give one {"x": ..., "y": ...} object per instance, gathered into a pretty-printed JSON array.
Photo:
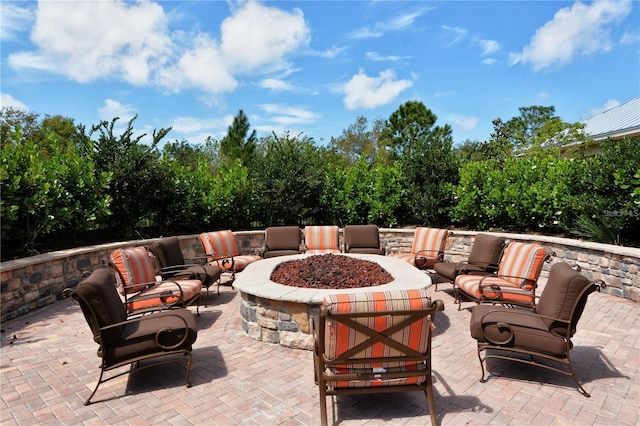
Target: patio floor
[{"x": 49, "y": 366}]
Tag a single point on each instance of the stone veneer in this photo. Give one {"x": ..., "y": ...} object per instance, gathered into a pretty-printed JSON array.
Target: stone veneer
[{"x": 32, "y": 282}]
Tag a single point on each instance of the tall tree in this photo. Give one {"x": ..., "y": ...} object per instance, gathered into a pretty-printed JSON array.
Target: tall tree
[
  {"x": 238, "y": 143},
  {"x": 359, "y": 140}
]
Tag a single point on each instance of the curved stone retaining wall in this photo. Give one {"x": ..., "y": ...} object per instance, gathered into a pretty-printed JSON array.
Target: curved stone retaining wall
[{"x": 33, "y": 282}]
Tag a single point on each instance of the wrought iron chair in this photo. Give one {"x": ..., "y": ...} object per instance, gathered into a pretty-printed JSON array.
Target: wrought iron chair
[
  {"x": 143, "y": 291},
  {"x": 484, "y": 258},
  {"x": 221, "y": 249},
  {"x": 545, "y": 333},
  {"x": 164, "y": 337},
  {"x": 376, "y": 342},
  {"x": 515, "y": 282},
  {"x": 172, "y": 264},
  {"x": 427, "y": 248},
  {"x": 282, "y": 241},
  {"x": 364, "y": 239}
]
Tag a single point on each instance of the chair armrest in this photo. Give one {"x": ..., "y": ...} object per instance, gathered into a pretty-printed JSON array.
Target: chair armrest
[
  {"x": 506, "y": 326},
  {"x": 158, "y": 333}
]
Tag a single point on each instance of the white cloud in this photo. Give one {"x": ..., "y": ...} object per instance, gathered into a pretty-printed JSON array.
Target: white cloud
[
  {"x": 284, "y": 115},
  {"x": 275, "y": 84},
  {"x": 582, "y": 29},
  {"x": 458, "y": 33},
  {"x": 489, "y": 61},
  {"x": 6, "y": 101},
  {"x": 188, "y": 125},
  {"x": 489, "y": 46},
  {"x": 256, "y": 36},
  {"x": 464, "y": 124},
  {"x": 396, "y": 23},
  {"x": 111, "y": 109},
  {"x": 15, "y": 19},
  {"x": 611, "y": 103},
  {"x": 630, "y": 37},
  {"x": 79, "y": 40},
  {"x": 377, "y": 57},
  {"x": 367, "y": 92}
]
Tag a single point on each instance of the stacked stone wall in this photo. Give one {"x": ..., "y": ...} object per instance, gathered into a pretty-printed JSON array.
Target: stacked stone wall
[{"x": 30, "y": 283}]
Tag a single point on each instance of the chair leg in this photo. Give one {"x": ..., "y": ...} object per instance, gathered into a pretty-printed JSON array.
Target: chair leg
[
  {"x": 482, "y": 378},
  {"x": 189, "y": 360},
  {"x": 88, "y": 401},
  {"x": 575, "y": 379},
  {"x": 323, "y": 404},
  {"x": 431, "y": 402}
]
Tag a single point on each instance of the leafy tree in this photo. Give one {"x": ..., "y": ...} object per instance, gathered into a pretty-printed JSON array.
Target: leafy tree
[
  {"x": 49, "y": 186},
  {"x": 428, "y": 163},
  {"x": 139, "y": 178},
  {"x": 238, "y": 143},
  {"x": 359, "y": 141},
  {"x": 288, "y": 176}
]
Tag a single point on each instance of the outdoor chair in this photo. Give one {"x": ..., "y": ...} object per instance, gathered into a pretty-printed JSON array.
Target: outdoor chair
[
  {"x": 484, "y": 258},
  {"x": 321, "y": 239},
  {"x": 515, "y": 282},
  {"x": 171, "y": 263},
  {"x": 544, "y": 334},
  {"x": 282, "y": 241},
  {"x": 375, "y": 342},
  {"x": 164, "y": 337},
  {"x": 221, "y": 249},
  {"x": 427, "y": 248},
  {"x": 362, "y": 239},
  {"x": 142, "y": 290}
]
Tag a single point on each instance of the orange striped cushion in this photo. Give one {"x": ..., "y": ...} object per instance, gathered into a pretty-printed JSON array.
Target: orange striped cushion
[
  {"x": 470, "y": 284},
  {"x": 219, "y": 244},
  {"x": 340, "y": 338},
  {"x": 164, "y": 294},
  {"x": 432, "y": 240},
  {"x": 522, "y": 260},
  {"x": 135, "y": 266},
  {"x": 321, "y": 239},
  {"x": 240, "y": 262}
]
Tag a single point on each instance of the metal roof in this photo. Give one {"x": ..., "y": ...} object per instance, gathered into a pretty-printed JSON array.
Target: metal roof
[{"x": 619, "y": 121}]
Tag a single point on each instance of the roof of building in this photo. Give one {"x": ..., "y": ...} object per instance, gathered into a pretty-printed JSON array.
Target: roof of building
[{"x": 619, "y": 121}]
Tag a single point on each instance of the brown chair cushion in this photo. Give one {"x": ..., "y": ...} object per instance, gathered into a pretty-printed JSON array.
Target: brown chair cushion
[
  {"x": 276, "y": 253},
  {"x": 564, "y": 286},
  {"x": 486, "y": 250},
  {"x": 524, "y": 331},
  {"x": 283, "y": 238},
  {"x": 169, "y": 251},
  {"x": 139, "y": 336},
  {"x": 361, "y": 236},
  {"x": 100, "y": 297}
]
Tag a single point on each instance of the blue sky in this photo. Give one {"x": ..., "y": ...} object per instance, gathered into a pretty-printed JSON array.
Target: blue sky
[{"x": 315, "y": 66}]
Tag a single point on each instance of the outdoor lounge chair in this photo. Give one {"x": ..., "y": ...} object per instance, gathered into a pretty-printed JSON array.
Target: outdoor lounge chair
[
  {"x": 376, "y": 342},
  {"x": 172, "y": 264},
  {"x": 221, "y": 249},
  {"x": 545, "y": 333},
  {"x": 282, "y": 241},
  {"x": 143, "y": 291},
  {"x": 484, "y": 258},
  {"x": 321, "y": 239},
  {"x": 427, "y": 248},
  {"x": 362, "y": 239},
  {"x": 515, "y": 282},
  {"x": 164, "y": 337}
]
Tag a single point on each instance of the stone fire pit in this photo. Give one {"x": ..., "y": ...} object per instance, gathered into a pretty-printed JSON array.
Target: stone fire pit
[{"x": 277, "y": 313}]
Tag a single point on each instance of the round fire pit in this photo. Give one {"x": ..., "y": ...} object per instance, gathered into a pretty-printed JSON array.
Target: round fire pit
[{"x": 278, "y": 313}]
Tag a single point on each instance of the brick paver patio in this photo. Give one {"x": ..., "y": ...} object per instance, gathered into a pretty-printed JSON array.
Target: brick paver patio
[{"x": 49, "y": 366}]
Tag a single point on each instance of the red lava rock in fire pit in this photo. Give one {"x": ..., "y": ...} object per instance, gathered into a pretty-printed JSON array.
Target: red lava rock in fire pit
[{"x": 330, "y": 271}]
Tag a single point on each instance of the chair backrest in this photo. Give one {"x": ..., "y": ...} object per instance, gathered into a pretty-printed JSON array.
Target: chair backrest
[
  {"x": 219, "y": 244},
  {"x": 101, "y": 305},
  {"x": 564, "y": 297},
  {"x": 134, "y": 266},
  {"x": 522, "y": 263},
  {"x": 361, "y": 236},
  {"x": 362, "y": 329},
  {"x": 430, "y": 240},
  {"x": 167, "y": 251},
  {"x": 321, "y": 239},
  {"x": 282, "y": 238},
  {"x": 486, "y": 251}
]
